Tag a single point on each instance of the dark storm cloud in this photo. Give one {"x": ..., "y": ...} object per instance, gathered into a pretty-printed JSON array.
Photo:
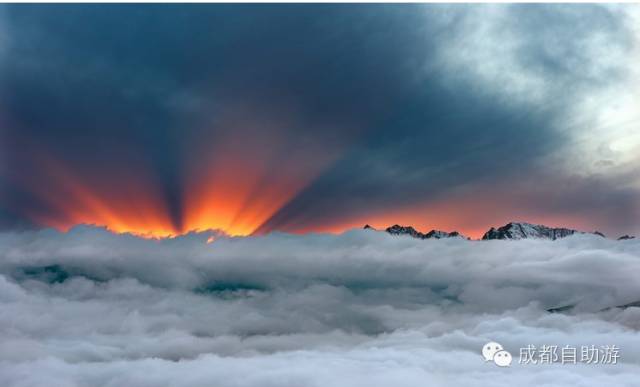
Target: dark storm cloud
[
  {"x": 457, "y": 131},
  {"x": 106, "y": 88},
  {"x": 97, "y": 84},
  {"x": 437, "y": 141},
  {"x": 74, "y": 85}
]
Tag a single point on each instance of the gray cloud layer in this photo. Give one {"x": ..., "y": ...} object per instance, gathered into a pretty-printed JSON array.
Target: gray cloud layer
[{"x": 90, "y": 308}]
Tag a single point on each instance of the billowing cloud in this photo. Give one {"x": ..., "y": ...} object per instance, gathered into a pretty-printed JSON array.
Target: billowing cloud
[{"x": 91, "y": 308}]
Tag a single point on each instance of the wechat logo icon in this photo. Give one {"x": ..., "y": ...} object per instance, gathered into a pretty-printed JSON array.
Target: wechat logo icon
[{"x": 493, "y": 351}]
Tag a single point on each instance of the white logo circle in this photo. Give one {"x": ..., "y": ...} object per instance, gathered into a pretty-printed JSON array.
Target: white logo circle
[
  {"x": 490, "y": 349},
  {"x": 502, "y": 358}
]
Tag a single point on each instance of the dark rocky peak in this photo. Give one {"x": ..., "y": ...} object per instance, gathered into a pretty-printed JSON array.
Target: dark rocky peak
[
  {"x": 521, "y": 230},
  {"x": 396, "y": 229}
]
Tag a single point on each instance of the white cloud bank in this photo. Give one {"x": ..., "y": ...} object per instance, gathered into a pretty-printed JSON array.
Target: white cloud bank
[{"x": 90, "y": 308}]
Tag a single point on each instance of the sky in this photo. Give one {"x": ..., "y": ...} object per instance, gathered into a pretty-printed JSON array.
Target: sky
[{"x": 163, "y": 119}]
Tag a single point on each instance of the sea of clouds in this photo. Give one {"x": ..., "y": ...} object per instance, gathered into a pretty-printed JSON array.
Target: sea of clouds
[{"x": 91, "y": 308}]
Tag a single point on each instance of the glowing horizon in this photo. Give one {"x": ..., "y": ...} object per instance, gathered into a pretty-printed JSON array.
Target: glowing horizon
[{"x": 418, "y": 117}]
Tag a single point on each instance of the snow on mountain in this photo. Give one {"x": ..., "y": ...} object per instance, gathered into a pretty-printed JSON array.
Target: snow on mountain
[
  {"x": 402, "y": 230},
  {"x": 512, "y": 230},
  {"x": 516, "y": 230},
  {"x": 408, "y": 230}
]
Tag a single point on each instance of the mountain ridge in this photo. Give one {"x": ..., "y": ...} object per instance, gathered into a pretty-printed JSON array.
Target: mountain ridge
[
  {"x": 510, "y": 231},
  {"x": 396, "y": 229}
]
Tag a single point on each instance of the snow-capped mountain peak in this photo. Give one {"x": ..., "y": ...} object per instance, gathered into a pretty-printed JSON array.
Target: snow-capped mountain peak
[
  {"x": 512, "y": 230},
  {"x": 396, "y": 229},
  {"x": 523, "y": 230}
]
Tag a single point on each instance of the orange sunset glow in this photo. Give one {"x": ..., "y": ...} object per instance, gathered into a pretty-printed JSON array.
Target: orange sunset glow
[
  {"x": 237, "y": 205},
  {"x": 248, "y": 175},
  {"x": 238, "y": 200},
  {"x": 234, "y": 185},
  {"x": 133, "y": 207},
  {"x": 238, "y": 195},
  {"x": 471, "y": 215}
]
